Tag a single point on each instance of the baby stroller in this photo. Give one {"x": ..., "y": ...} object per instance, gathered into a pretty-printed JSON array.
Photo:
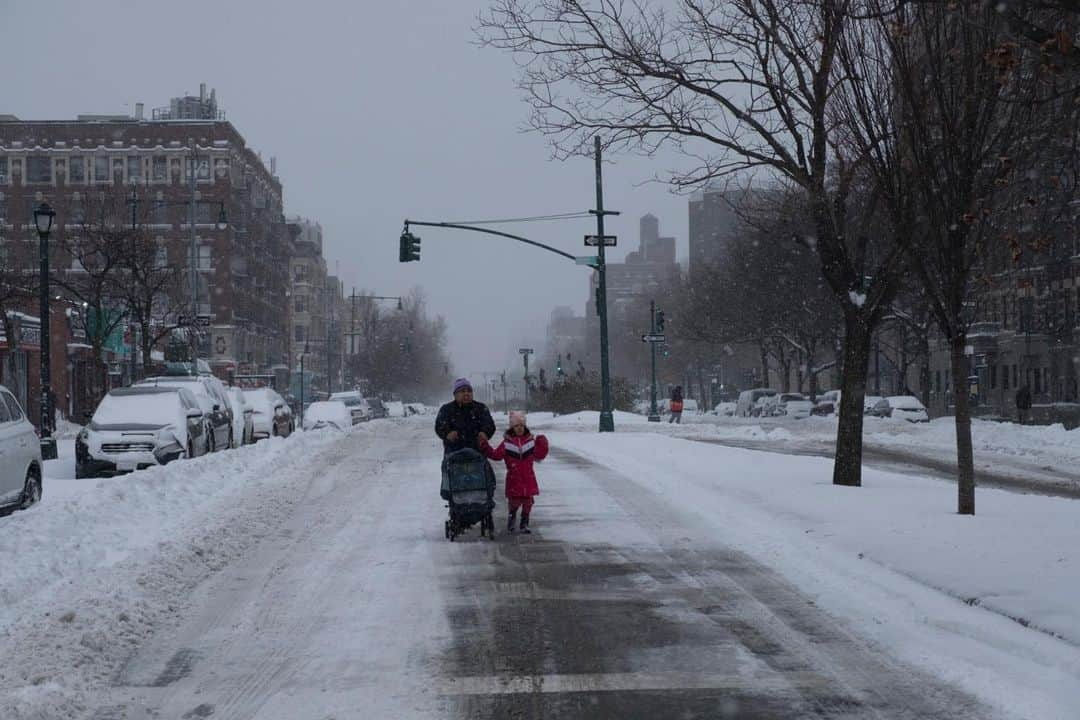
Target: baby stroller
[{"x": 468, "y": 486}]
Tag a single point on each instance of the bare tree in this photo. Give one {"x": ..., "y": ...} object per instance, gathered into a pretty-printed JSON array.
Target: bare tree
[
  {"x": 93, "y": 276},
  {"x": 743, "y": 87},
  {"x": 153, "y": 290},
  {"x": 947, "y": 115}
]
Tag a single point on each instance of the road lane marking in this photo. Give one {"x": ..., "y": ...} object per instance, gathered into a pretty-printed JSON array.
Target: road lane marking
[{"x": 625, "y": 682}]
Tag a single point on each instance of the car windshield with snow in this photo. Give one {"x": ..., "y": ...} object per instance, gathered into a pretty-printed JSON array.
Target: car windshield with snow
[{"x": 139, "y": 427}]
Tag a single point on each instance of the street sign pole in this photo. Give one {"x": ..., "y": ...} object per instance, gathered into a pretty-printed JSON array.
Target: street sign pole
[{"x": 654, "y": 413}]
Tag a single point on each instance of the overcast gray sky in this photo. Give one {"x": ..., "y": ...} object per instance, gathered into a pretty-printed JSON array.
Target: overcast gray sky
[{"x": 376, "y": 111}]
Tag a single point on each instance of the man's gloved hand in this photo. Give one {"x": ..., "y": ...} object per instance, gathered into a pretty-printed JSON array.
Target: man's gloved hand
[{"x": 452, "y": 436}]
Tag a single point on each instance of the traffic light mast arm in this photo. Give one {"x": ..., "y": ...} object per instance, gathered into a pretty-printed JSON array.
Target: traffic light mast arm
[{"x": 490, "y": 232}]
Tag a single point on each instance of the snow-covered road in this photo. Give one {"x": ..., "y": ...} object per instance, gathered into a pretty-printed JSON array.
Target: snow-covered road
[{"x": 309, "y": 579}]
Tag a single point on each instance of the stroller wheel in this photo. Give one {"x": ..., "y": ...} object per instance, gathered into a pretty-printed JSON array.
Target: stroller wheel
[{"x": 446, "y": 526}]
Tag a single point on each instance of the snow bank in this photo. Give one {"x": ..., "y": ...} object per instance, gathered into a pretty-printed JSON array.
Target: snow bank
[
  {"x": 83, "y": 527},
  {"x": 987, "y": 602}
]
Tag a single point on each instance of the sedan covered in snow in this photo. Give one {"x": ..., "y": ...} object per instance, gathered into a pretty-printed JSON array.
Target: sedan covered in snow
[
  {"x": 139, "y": 427},
  {"x": 327, "y": 413},
  {"x": 905, "y": 407},
  {"x": 794, "y": 405},
  {"x": 271, "y": 416}
]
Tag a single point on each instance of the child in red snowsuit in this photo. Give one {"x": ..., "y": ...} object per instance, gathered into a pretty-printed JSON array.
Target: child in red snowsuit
[{"x": 520, "y": 449}]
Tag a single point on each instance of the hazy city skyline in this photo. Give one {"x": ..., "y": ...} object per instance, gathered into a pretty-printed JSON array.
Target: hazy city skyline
[{"x": 368, "y": 127}]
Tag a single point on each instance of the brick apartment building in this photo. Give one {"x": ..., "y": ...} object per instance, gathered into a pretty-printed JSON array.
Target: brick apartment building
[{"x": 242, "y": 265}]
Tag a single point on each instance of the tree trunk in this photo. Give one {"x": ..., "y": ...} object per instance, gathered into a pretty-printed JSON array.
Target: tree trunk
[
  {"x": 812, "y": 377},
  {"x": 925, "y": 378},
  {"x": 965, "y": 461},
  {"x": 147, "y": 343},
  {"x": 847, "y": 469},
  {"x": 764, "y": 365}
]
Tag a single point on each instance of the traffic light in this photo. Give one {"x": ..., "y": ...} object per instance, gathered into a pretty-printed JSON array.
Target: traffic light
[
  {"x": 409, "y": 247},
  {"x": 659, "y": 321}
]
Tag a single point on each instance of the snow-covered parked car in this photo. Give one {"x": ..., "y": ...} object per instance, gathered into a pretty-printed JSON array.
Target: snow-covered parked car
[
  {"x": 795, "y": 405},
  {"x": 358, "y": 406},
  {"x": 395, "y": 408},
  {"x": 242, "y": 412},
  {"x": 828, "y": 403},
  {"x": 906, "y": 407},
  {"x": 870, "y": 402},
  {"x": 138, "y": 427},
  {"x": 271, "y": 416},
  {"x": 327, "y": 413},
  {"x": 748, "y": 399},
  {"x": 20, "y": 472},
  {"x": 725, "y": 409},
  {"x": 214, "y": 402},
  {"x": 759, "y": 408}
]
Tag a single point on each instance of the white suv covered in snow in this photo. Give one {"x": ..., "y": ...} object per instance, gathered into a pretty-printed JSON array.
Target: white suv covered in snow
[
  {"x": 138, "y": 427},
  {"x": 20, "y": 471}
]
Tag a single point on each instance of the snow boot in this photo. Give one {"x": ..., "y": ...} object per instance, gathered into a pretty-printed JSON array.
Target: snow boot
[
  {"x": 510, "y": 523},
  {"x": 525, "y": 525}
]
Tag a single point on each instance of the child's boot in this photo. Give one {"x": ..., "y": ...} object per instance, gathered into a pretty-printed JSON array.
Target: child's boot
[
  {"x": 510, "y": 523},
  {"x": 525, "y": 525}
]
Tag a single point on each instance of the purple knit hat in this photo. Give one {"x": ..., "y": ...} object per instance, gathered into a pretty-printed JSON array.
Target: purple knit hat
[{"x": 462, "y": 383}]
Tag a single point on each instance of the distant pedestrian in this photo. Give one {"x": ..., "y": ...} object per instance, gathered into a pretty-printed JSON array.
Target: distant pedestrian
[
  {"x": 520, "y": 449},
  {"x": 1023, "y": 403},
  {"x": 676, "y": 405}
]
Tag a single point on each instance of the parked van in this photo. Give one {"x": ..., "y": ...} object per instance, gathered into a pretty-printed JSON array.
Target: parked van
[{"x": 748, "y": 399}]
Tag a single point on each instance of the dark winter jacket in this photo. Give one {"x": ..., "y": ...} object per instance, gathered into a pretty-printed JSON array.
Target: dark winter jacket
[
  {"x": 519, "y": 452},
  {"x": 469, "y": 421}
]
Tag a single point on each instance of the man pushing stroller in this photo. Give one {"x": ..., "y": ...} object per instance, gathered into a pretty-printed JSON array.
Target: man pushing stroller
[{"x": 463, "y": 422}]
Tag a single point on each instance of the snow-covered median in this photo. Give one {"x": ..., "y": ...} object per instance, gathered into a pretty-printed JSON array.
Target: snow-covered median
[
  {"x": 960, "y": 596},
  {"x": 99, "y": 564}
]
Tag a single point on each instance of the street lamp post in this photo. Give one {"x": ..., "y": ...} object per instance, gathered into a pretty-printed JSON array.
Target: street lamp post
[
  {"x": 43, "y": 219},
  {"x": 302, "y": 354}
]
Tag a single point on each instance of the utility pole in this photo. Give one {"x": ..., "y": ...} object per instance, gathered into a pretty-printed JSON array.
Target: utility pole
[
  {"x": 506, "y": 398},
  {"x": 607, "y": 417}
]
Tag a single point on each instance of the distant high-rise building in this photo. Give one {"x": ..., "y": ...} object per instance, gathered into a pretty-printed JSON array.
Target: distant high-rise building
[{"x": 713, "y": 221}]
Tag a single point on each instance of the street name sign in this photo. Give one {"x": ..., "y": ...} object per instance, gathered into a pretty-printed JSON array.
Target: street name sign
[
  {"x": 653, "y": 338},
  {"x": 525, "y": 351},
  {"x": 594, "y": 240}
]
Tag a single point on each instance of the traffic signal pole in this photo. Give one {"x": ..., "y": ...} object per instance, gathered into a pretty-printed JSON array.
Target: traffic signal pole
[
  {"x": 409, "y": 251},
  {"x": 654, "y": 412},
  {"x": 607, "y": 416}
]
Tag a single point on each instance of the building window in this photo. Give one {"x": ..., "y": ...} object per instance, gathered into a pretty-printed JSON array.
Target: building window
[
  {"x": 1005, "y": 377},
  {"x": 77, "y": 214},
  {"x": 101, "y": 169},
  {"x": 160, "y": 169},
  {"x": 203, "y": 213},
  {"x": 38, "y": 169},
  {"x": 993, "y": 377},
  {"x": 77, "y": 170},
  {"x": 202, "y": 167},
  {"x": 161, "y": 258},
  {"x": 205, "y": 257},
  {"x": 134, "y": 168},
  {"x": 299, "y": 333},
  {"x": 1038, "y": 383},
  {"x": 300, "y": 304},
  {"x": 161, "y": 213},
  {"x": 3, "y": 171}
]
